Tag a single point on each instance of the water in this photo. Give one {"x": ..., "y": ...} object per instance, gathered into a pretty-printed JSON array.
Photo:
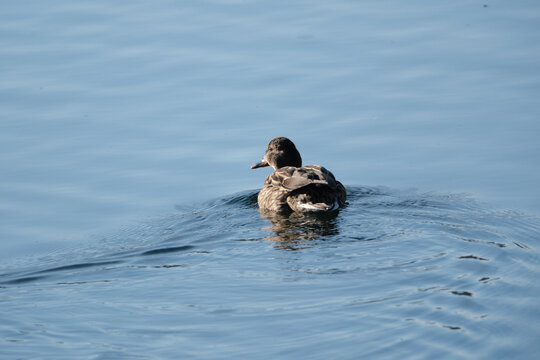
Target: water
[
  {"x": 394, "y": 274},
  {"x": 124, "y": 126}
]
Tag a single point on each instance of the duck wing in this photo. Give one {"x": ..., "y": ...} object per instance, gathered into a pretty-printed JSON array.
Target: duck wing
[
  {"x": 296, "y": 178},
  {"x": 310, "y": 188}
]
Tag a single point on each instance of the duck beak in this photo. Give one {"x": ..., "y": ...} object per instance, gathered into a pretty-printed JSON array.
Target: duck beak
[{"x": 260, "y": 164}]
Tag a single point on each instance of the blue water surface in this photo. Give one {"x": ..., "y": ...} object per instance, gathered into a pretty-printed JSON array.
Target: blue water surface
[
  {"x": 126, "y": 126},
  {"x": 394, "y": 274}
]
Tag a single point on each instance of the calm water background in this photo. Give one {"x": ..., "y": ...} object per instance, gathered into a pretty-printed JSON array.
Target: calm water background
[{"x": 124, "y": 126}]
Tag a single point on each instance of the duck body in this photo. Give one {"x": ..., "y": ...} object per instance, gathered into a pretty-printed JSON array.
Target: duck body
[
  {"x": 297, "y": 188},
  {"x": 310, "y": 188}
]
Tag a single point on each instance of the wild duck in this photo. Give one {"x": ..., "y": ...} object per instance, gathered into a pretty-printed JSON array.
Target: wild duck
[{"x": 293, "y": 187}]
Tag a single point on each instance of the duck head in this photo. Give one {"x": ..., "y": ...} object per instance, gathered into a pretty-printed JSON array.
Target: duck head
[{"x": 280, "y": 152}]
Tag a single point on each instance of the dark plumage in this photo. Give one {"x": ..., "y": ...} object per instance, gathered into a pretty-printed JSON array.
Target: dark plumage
[{"x": 293, "y": 187}]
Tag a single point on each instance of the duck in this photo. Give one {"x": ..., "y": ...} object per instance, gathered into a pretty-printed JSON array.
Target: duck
[{"x": 296, "y": 188}]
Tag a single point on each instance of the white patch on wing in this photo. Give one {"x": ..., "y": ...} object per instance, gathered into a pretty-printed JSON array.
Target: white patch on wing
[
  {"x": 309, "y": 207},
  {"x": 318, "y": 207}
]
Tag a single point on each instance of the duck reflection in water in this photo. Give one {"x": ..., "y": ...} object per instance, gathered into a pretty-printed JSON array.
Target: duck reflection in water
[{"x": 298, "y": 231}]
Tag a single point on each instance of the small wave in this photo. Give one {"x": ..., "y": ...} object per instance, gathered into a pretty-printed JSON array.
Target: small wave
[
  {"x": 167, "y": 250},
  {"x": 79, "y": 266}
]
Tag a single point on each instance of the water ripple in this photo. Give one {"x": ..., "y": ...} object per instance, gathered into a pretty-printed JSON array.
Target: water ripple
[{"x": 436, "y": 269}]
